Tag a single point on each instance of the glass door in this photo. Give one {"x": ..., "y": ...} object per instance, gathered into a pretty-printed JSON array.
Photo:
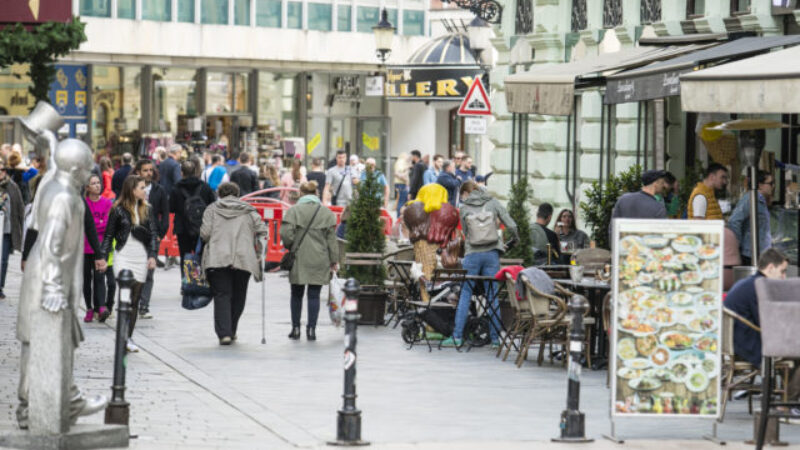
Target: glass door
[{"x": 373, "y": 141}]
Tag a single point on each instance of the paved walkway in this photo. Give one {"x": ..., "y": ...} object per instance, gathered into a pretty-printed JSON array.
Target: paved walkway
[{"x": 188, "y": 392}]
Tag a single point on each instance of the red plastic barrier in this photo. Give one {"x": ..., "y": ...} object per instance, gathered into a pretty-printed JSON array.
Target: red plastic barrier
[{"x": 169, "y": 245}]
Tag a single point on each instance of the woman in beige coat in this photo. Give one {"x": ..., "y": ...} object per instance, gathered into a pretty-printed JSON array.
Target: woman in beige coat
[{"x": 232, "y": 231}]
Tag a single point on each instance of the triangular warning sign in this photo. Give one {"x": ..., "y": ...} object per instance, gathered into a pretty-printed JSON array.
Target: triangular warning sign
[{"x": 476, "y": 102}]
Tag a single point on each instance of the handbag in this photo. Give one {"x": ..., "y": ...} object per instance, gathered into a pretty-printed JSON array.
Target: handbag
[
  {"x": 195, "y": 291},
  {"x": 287, "y": 260}
]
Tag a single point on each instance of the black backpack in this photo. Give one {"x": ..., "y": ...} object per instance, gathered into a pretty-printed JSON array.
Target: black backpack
[{"x": 193, "y": 208}]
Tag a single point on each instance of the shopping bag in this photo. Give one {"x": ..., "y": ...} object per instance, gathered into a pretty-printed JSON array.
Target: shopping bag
[
  {"x": 195, "y": 290},
  {"x": 336, "y": 300}
]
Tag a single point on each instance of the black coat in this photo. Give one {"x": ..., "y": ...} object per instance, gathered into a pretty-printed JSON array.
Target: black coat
[
  {"x": 451, "y": 184},
  {"x": 119, "y": 178},
  {"x": 416, "y": 179},
  {"x": 159, "y": 201},
  {"x": 169, "y": 172},
  {"x": 120, "y": 228},
  {"x": 246, "y": 179},
  {"x": 178, "y": 197}
]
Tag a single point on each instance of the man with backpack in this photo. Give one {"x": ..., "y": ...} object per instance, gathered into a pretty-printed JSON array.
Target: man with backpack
[
  {"x": 480, "y": 217},
  {"x": 188, "y": 201}
]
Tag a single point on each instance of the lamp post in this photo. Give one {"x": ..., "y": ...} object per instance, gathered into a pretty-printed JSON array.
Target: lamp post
[
  {"x": 479, "y": 33},
  {"x": 384, "y": 33},
  {"x": 118, "y": 410}
]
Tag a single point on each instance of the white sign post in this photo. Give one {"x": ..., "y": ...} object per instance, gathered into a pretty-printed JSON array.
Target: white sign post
[
  {"x": 374, "y": 86},
  {"x": 474, "y": 125}
]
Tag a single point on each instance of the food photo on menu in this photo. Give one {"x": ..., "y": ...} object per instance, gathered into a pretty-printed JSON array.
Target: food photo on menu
[{"x": 667, "y": 330}]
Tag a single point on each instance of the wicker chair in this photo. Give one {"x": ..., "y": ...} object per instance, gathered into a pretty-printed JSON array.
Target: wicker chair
[
  {"x": 521, "y": 320},
  {"x": 548, "y": 323}
]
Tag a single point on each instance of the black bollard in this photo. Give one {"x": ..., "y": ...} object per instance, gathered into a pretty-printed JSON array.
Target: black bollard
[
  {"x": 572, "y": 420},
  {"x": 348, "y": 422},
  {"x": 118, "y": 410}
]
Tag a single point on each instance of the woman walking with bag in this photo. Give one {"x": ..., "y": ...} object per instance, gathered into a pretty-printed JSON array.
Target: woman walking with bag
[
  {"x": 232, "y": 231},
  {"x": 309, "y": 231},
  {"x": 132, "y": 231}
]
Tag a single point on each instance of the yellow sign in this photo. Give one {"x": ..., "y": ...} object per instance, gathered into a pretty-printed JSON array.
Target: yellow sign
[
  {"x": 314, "y": 143},
  {"x": 80, "y": 99},
  {"x": 372, "y": 143},
  {"x": 62, "y": 97},
  {"x": 339, "y": 142}
]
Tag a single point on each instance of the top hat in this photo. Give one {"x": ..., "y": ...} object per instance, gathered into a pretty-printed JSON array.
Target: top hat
[{"x": 43, "y": 117}]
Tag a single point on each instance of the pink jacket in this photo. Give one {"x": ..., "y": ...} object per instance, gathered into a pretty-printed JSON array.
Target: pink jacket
[{"x": 99, "y": 210}]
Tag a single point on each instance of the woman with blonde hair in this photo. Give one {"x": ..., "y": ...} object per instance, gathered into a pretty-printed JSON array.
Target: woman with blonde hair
[
  {"x": 132, "y": 232},
  {"x": 107, "y": 170},
  {"x": 268, "y": 178},
  {"x": 401, "y": 167}
]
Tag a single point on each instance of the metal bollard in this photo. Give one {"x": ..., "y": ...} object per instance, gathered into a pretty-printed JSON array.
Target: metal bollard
[
  {"x": 572, "y": 420},
  {"x": 118, "y": 410},
  {"x": 348, "y": 422}
]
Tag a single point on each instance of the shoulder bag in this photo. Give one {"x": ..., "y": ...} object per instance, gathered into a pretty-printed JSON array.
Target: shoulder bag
[{"x": 287, "y": 260}]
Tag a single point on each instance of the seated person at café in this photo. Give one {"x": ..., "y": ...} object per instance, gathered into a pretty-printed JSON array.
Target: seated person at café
[
  {"x": 568, "y": 234},
  {"x": 742, "y": 300},
  {"x": 541, "y": 236}
]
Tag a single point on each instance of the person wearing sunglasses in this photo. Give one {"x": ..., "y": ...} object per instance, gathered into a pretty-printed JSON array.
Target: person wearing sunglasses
[{"x": 739, "y": 222}]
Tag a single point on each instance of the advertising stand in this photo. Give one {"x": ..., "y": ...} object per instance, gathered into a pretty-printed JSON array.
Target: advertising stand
[{"x": 667, "y": 319}]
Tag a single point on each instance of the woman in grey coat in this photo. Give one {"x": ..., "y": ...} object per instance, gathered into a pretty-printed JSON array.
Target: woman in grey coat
[
  {"x": 233, "y": 232},
  {"x": 316, "y": 255}
]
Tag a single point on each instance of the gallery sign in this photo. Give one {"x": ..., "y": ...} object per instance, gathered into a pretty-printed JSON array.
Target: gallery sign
[{"x": 430, "y": 83}]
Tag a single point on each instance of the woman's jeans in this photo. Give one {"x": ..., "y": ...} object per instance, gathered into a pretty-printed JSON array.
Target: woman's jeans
[
  {"x": 7, "y": 244},
  {"x": 402, "y": 195},
  {"x": 486, "y": 264},
  {"x": 94, "y": 285},
  {"x": 313, "y": 303}
]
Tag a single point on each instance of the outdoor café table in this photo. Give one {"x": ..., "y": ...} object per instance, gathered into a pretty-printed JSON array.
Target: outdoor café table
[
  {"x": 483, "y": 300},
  {"x": 595, "y": 290}
]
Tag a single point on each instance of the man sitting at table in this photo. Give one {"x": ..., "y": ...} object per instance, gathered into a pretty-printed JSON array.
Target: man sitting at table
[
  {"x": 541, "y": 236},
  {"x": 743, "y": 300}
]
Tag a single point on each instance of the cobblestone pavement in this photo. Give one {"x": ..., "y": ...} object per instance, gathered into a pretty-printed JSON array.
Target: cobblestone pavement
[{"x": 186, "y": 391}]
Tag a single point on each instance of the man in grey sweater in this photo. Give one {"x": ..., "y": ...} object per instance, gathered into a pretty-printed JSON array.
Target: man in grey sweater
[{"x": 641, "y": 204}]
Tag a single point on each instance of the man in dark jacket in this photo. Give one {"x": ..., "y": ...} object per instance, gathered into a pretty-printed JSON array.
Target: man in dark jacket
[
  {"x": 159, "y": 204},
  {"x": 417, "y": 177},
  {"x": 185, "y": 228},
  {"x": 447, "y": 179},
  {"x": 244, "y": 176},
  {"x": 169, "y": 171},
  {"x": 641, "y": 204},
  {"x": 13, "y": 220},
  {"x": 121, "y": 173}
]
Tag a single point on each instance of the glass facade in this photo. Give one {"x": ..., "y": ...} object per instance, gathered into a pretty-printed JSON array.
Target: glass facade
[
  {"x": 126, "y": 9},
  {"x": 214, "y": 12},
  {"x": 366, "y": 18},
  {"x": 277, "y": 108},
  {"x": 294, "y": 15},
  {"x": 157, "y": 10},
  {"x": 268, "y": 13},
  {"x": 320, "y": 16},
  {"x": 226, "y": 92},
  {"x": 116, "y": 100},
  {"x": 95, "y": 8},
  {"x": 186, "y": 11},
  {"x": 174, "y": 91},
  {"x": 413, "y": 23},
  {"x": 241, "y": 12},
  {"x": 343, "y": 20}
]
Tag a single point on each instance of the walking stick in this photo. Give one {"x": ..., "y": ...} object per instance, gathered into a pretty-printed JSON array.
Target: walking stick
[{"x": 263, "y": 291}]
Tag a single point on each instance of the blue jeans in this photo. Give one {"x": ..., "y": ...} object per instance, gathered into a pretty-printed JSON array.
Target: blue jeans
[
  {"x": 7, "y": 244},
  {"x": 486, "y": 264},
  {"x": 402, "y": 195}
]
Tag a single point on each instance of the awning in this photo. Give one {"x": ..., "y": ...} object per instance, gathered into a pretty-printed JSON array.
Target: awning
[
  {"x": 763, "y": 84},
  {"x": 660, "y": 79},
  {"x": 551, "y": 89}
]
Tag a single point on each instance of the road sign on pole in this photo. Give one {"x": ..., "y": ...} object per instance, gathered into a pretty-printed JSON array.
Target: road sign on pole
[{"x": 476, "y": 101}]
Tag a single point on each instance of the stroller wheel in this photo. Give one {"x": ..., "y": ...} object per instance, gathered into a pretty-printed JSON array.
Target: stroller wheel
[
  {"x": 476, "y": 332},
  {"x": 410, "y": 331}
]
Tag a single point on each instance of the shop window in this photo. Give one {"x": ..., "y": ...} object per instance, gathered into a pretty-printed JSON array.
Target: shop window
[
  {"x": 612, "y": 13},
  {"x": 524, "y": 19},
  {"x": 294, "y": 15},
  {"x": 650, "y": 11},
  {"x": 277, "y": 110},
  {"x": 695, "y": 8},
  {"x": 579, "y": 21},
  {"x": 186, "y": 11},
  {"x": 413, "y": 23},
  {"x": 226, "y": 92},
  {"x": 126, "y": 9},
  {"x": 319, "y": 16},
  {"x": 157, "y": 10},
  {"x": 366, "y": 18},
  {"x": 344, "y": 14},
  {"x": 268, "y": 13},
  {"x": 214, "y": 12},
  {"x": 95, "y": 8},
  {"x": 174, "y": 100},
  {"x": 241, "y": 12},
  {"x": 740, "y": 7},
  {"x": 116, "y": 99}
]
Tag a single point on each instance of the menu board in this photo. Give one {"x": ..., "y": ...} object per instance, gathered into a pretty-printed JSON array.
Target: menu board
[{"x": 667, "y": 318}]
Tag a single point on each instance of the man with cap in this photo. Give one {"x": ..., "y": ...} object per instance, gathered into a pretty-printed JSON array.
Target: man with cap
[{"x": 642, "y": 204}]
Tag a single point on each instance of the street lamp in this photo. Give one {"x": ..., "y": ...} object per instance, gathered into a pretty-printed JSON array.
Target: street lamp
[
  {"x": 384, "y": 33},
  {"x": 479, "y": 33}
]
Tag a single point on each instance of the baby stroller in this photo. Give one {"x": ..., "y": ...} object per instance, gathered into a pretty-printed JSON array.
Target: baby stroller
[{"x": 440, "y": 312}]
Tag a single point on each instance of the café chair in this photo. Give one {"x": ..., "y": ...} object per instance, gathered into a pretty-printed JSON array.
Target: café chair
[
  {"x": 520, "y": 321},
  {"x": 548, "y": 322},
  {"x": 737, "y": 375},
  {"x": 779, "y": 309}
]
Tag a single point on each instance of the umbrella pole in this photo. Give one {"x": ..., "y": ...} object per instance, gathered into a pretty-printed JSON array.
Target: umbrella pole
[{"x": 753, "y": 172}]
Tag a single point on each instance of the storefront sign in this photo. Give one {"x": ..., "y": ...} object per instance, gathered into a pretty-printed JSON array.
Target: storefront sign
[
  {"x": 36, "y": 11},
  {"x": 347, "y": 88},
  {"x": 668, "y": 318},
  {"x": 646, "y": 87},
  {"x": 69, "y": 96},
  {"x": 474, "y": 125},
  {"x": 374, "y": 86},
  {"x": 422, "y": 83}
]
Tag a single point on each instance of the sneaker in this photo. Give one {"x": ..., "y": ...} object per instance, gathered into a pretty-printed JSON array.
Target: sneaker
[
  {"x": 103, "y": 314},
  {"x": 131, "y": 347},
  {"x": 89, "y": 316},
  {"x": 495, "y": 345},
  {"x": 145, "y": 315},
  {"x": 225, "y": 340},
  {"x": 2, "y": 295},
  {"x": 452, "y": 342}
]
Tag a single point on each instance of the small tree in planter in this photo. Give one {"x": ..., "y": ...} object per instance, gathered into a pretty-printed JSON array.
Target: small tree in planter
[
  {"x": 600, "y": 201},
  {"x": 518, "y": 210}
]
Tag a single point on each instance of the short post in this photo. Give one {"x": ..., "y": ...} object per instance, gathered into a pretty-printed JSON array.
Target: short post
[
  {"x": 118, "y": 410},
  {"x": 572, "y": 420},
  {"x": 348, "y": 423}
]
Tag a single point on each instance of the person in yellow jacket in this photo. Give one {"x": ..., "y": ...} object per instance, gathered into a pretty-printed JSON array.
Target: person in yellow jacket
[{"x": 703, "y": 202}]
